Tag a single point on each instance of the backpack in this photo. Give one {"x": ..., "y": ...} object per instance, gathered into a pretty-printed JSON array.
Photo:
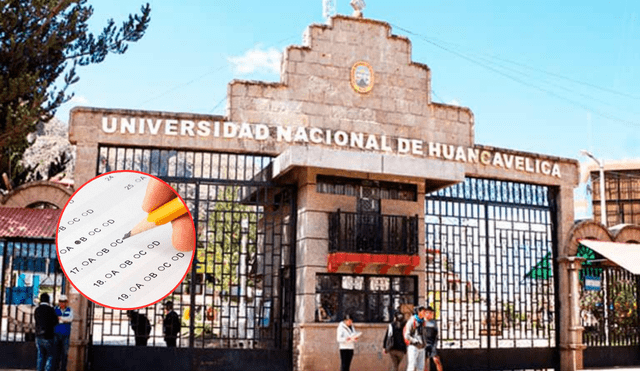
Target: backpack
[
  {"x": 389, "y": 343},
  {"x": 395, "y": 334}
]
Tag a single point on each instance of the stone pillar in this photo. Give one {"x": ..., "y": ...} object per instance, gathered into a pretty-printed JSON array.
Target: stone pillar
[
  {"x": 78, "y": 339},
  {"x": 571, "y": 329},
  {"x": 86, "y": 155},
  {"x": 86, "y": 159}
]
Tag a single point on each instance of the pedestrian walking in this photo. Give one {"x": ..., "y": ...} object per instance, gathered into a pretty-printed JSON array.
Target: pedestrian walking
[
  {"x": 347, "y": 337},
  {"x": 46, "y": 320},
  {"x": 431, "y": 336},
  {"x": 62, "y": 331},
  {"x": 414, "y": 337},
  {"x": 393, "y": 343},
  {"x": 170, "y": 324},
  {"x": 140, "y": 326}
]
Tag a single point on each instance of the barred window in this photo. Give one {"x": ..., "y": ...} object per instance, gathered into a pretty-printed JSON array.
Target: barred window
[
  {"x": 352, "y": 187},
  {"x": 367, "y": 298}
]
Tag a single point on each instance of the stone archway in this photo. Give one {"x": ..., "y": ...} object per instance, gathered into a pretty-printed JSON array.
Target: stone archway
[
  {"x": 569, "y": 268},
  {"x": 589, "y": 230},
  {"x": 628, "y": 234},
  {"x": 36, "y": 193}
]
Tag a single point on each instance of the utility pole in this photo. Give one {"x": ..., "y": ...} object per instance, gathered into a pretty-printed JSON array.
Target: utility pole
[
  {"x": 603, "y": 202},
  {"x": 603, "y": 220}
]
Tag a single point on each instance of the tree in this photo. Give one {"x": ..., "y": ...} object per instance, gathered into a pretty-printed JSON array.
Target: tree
[
  {"x": 42, "y": 42},
  {"x": 223, "y": 252}
]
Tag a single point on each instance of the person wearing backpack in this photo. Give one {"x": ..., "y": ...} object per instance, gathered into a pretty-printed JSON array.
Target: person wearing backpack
[
  {"x": 414, "y": 337},
  {"x": 393, "y": 343}
]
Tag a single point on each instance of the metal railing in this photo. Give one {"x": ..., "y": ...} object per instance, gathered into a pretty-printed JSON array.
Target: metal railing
[
  {"x": 239, "y": 292},
  {"x": 373, "y": 233},
  {"x": 610, "y": 315}
]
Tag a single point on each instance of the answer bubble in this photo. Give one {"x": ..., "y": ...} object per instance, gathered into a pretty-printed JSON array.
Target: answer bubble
[{"x": 102, "y": 220}]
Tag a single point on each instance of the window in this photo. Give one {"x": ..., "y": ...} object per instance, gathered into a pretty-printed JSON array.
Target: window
[
  {"x": 366, "y": 298},
  {"x": 352, "y": 187}
]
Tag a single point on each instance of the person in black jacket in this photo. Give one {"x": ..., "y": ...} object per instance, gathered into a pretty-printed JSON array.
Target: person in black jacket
[
  {"x": 46, "y": 319},
  {"x": 171, "y": 324},
  {"x": 431, "y": 336},
  {"x": 393, "y": 342},
  {"x": 140, "y": 326}
]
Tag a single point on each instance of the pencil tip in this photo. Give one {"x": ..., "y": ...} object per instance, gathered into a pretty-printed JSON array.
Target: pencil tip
[{"x": 127, "y": 235}]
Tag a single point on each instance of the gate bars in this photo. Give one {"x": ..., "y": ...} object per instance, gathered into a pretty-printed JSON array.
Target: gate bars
[
  {"x": 240, "y": 290},
  {"x": 609, "y": 314},
  {"x": 490, "y": 268},
  {"x": 29, "y": 267}
]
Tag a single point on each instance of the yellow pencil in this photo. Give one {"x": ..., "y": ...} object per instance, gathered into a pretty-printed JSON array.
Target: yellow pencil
[{"x": 162, "y": 215}]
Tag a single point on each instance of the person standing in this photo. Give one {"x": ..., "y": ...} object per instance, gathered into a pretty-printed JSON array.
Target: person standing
[
  {"x": 393, "y": 343},
  {"x": 414, "y": 337},
  {"x": 46, "y": 320},
  {"x": 347, "y": 337},
  {"x": 140, "y": 326},
  {"x": 62, "y": 332},
  {"x": 431, "y": 336},
  {"x": 170, "y": 324}
]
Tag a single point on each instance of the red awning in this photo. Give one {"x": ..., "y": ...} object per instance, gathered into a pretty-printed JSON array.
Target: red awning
[{"x": 361, "y": 260}]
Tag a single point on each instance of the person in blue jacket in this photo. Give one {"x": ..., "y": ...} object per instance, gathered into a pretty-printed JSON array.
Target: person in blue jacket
[{"x": 62, "y": 331}]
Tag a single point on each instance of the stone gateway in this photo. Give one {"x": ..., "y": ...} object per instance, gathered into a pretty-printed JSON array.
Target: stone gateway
[{"x": 343, "y": 189}]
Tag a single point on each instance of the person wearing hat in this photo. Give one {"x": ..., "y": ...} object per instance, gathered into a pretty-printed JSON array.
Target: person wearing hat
[
  {"x": 414, "y": 337},
  {"x": 170, "y": 324},
  {"x": 393, "y": 343},
  {"x": 62, "y": 332}
]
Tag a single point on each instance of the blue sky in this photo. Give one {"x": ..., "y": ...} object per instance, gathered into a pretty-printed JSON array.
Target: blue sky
[{"x": 540, "y": 76}]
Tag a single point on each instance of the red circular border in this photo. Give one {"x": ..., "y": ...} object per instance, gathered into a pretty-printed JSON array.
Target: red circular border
[{"x": 58, "y": 250}]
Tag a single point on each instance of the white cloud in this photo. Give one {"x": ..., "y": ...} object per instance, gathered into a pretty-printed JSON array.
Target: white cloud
[
  {"x": 257, "y": 60},
  {"x": 454, "y": 102},
  {"x": 79, "y": 100}
]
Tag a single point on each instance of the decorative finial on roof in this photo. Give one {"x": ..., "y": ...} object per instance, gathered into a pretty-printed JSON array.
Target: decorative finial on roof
[
  {"x": 358, "y": 7},
  {"x": 328, "y": 9}
]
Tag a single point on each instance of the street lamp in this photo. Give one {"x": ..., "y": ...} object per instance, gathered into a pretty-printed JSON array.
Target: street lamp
[{"x": 603, "y": 204}]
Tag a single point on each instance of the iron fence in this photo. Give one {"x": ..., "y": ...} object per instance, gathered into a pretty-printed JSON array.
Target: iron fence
[
  {"x": 373, "y": 233},
  {"x": 609, "y": 306},
  {"x": 29, "y": 268},
  {"x": 490, "y": 248},
  {"x": 239, "y": 292}
]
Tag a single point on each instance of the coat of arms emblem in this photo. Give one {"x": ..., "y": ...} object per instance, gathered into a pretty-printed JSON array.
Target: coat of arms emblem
[{"x": 362, "y": 77}]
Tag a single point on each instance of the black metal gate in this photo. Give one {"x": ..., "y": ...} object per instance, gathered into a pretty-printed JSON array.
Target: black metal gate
[
  {"x": 609, "y": 312},
  {"x": 490, "y": 274},
  {"x": 29, "y": 267},
  {"x": 236, "y": 304}
]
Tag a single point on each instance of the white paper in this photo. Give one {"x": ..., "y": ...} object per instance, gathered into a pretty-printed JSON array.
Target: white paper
[{"x": 122, "y": 274}]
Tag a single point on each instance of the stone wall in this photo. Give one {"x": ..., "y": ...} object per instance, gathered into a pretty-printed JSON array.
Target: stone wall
[
  {"x": 36, "y": 192},
  {"x": 315, "y": 89}
]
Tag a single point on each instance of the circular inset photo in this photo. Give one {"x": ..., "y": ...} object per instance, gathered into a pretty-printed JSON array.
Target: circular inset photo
[{"x": 125, "y": 240}]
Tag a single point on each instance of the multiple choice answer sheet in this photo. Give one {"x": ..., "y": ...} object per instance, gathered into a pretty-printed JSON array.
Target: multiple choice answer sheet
[{"x": 110, "y": 271}]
